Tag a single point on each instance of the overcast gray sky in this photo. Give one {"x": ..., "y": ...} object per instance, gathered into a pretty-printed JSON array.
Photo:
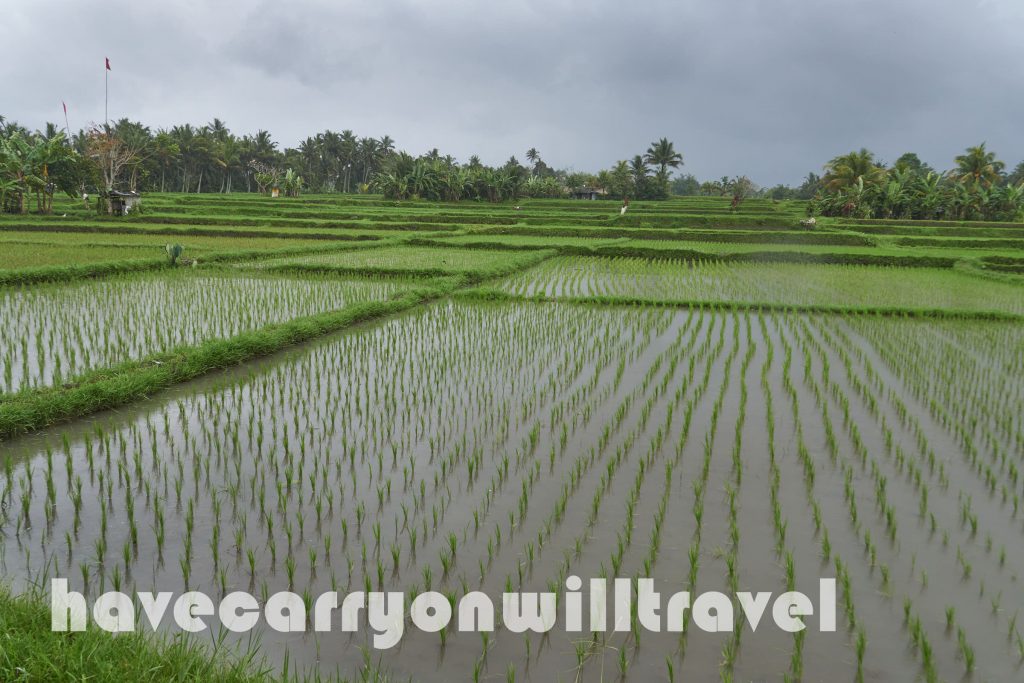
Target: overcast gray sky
[{"x": 767, "y": 88}]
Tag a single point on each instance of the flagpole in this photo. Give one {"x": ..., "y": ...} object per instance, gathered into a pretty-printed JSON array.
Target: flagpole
[
  {"x": 67, "y": 126},
  {"x": 106, "y": 96}
]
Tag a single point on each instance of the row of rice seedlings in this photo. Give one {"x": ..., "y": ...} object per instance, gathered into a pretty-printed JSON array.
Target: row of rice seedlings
[
  {"x": 887, "y": 514},
  {"x": 708, "y": 354},
  {"x": 795, "y": 672},
  {"x": 405, "y": 258},
  {"x": 968, "y": 519},
  {"x": 731, "y": 649},
  {"x": 828, "y": 552},
  {"x": 977, "y": 397},
  {"x": 700, "y": 487},
  {"x": 532, "y": 549},
  {"x": 913, "y": 465},
  {"x": 544, "y": 537}
]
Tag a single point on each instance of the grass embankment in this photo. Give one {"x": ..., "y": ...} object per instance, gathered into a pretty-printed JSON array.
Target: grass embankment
[
  {"x": 705, "y": 251},
  {"x": 30, "y": 652},
  {"x": 197, "y": 235},
  {"x": 411, "y": 259},
  {"x": 494, "y": 294},
  {"x": 65, "y": 273}
]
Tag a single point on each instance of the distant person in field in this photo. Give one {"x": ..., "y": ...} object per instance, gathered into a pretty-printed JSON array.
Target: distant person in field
[{"x": 625, "y": 206}]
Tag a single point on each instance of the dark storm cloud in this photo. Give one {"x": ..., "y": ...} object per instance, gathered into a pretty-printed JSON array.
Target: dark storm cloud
[{"x": 770, "y": 88}]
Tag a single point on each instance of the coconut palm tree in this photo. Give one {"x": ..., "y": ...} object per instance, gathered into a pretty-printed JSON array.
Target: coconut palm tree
[
  {"x": 230, "y": 154},
  {"x": 533, "y": 156},
  {"x": 979, "y": 165},
  {"x": 844, "y": 171},
  {"x": 662, "y": 154},
  {"x": 369, "y": 152},
  {"x": 165, "y": 153}
]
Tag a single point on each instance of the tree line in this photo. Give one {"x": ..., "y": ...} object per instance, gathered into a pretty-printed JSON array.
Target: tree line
[
  {"x": 976, "y": 188},
  {"x": 431, "y": 176},
  {"x": 857, "y": 185},
  {"x": 127, "y": 155},
  {"x": 130, "y": 156}
]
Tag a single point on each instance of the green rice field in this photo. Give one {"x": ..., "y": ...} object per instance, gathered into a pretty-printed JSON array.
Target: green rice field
[{"x": 347, "y": 393}]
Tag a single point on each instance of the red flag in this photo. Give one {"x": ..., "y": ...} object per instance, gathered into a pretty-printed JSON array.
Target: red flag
[
  {"x": 108, "y": 63},
  {"x": 65, "y": 108}
]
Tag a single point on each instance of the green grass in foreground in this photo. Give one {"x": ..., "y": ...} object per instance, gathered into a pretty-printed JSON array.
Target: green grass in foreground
[{"x": 30, "y": 652}]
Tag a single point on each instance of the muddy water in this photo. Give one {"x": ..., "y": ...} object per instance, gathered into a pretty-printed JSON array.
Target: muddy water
[{"x": 337, "y": 451}]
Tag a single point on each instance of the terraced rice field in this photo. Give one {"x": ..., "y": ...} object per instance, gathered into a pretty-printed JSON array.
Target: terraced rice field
[
  {"x": 61, "y": 330},
  {"x": 419, "y": 259},
  {"x": 766, "y": 283},
  {"x": 498, "y": 419}
]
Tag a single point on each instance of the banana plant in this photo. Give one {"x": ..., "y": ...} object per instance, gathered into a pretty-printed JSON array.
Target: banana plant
[{"x": 292, "y": 183}]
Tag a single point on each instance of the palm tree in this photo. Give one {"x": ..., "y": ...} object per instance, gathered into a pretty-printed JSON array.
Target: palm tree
[
  {"x": 218, "y": 129},
  {"x": 264, "y": 148},
  {"x": 533, "y": 156},
  {"x": 347, "y": 143},
  {"x": 165, "y": 153},
  {"x": 638, "y": 168},
  {"x": 50, "y": 131},
  {"x": 621, "y": 180},
  {"x": 203, "y": 155},
  {"x": 369, "y": 149},
  {"x": 183, "y": 138},
  {"x": 978, "y": 165},
  {"x": 844, "y": 171},
  {"x": 1017, "y": 176},
  {"x": 663, "y": 155},
  {"x": 230, "y": 154}
]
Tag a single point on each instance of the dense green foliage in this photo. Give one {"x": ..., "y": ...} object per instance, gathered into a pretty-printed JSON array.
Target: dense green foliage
[
  {"x": 129, "y": 155},
  {"x": 855, "y": 185}
]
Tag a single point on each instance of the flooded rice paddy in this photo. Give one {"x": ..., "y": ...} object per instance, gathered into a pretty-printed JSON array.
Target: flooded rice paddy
[
  {"x": 54, "y": 332},
  {"x": 791, "y": 284},
  {"x": 501, "y": 447}
]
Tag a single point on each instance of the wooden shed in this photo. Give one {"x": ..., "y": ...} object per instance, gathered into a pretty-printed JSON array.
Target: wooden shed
[
  {"x": 121, "y": 203},
  {"x": 587, "y": 193}
]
